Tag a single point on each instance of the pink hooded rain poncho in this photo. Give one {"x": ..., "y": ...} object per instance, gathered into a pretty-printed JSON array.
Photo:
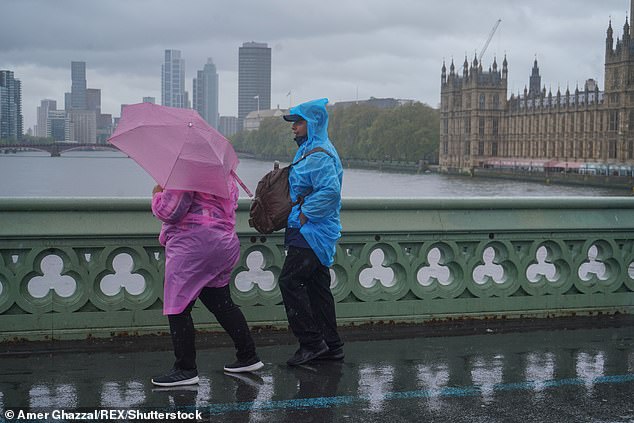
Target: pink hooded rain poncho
[{"x": 201, "y": 244}]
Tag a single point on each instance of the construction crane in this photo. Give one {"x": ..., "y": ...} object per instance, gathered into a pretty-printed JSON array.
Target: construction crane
[{"x": 495, "y": 27}]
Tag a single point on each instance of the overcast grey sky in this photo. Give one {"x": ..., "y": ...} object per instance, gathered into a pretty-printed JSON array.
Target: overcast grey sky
[{"x": 334, "y": 49}]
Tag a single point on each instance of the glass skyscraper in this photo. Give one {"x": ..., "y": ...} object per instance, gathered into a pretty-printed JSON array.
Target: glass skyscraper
[
  {"x": 10, "y": 106},
  {"x": 173, "y": 80},
  {"x": 254, "y": 78},
  {"x": 205, "y": 92},
  {"x": 78, "y": 86},
  {"x": 45, "y": 106}
]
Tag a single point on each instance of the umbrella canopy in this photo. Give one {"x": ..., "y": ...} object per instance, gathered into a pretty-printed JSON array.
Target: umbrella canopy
[{"x": 177, "y": 148}]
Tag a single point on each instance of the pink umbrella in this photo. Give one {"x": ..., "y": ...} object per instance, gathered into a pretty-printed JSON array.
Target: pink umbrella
[{"x": 177, "y": 148}]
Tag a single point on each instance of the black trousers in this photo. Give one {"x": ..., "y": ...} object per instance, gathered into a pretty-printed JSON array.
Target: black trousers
[
  {"x": 219, "y": 302},
  {"x": 310, "y": 306}
]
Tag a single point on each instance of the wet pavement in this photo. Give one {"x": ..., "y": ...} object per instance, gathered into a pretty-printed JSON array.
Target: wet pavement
[{"x": 544, "y": 376}]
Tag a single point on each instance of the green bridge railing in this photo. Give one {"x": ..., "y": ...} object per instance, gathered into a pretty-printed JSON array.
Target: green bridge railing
[{"x": 72, "y": 268}]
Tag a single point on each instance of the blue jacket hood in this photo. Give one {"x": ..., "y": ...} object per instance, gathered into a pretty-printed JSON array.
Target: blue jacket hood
[{"x": 315, "y": 114}]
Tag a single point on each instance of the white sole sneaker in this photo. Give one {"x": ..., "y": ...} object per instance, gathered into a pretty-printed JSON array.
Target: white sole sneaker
[
  {"x": 182, "y": 388},
  {"x": 250, "y": 379},
  {"x": 252, "y": 368},
  {"x": 192, "y": 381}
]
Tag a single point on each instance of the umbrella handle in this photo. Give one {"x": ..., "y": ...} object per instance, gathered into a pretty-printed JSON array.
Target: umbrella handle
[{"x": 244, "y": 187}]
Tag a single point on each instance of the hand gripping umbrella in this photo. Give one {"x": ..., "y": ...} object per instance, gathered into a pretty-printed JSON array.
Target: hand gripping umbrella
[{"x": 177, "y": 148}]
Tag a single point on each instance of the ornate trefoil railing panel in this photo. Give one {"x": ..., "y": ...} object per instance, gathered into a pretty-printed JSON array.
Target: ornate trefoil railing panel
[{"x": 73, "y": 268}]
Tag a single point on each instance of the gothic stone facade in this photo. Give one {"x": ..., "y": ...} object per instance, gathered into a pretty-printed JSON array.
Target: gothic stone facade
[{"x": 480, "y": 127}]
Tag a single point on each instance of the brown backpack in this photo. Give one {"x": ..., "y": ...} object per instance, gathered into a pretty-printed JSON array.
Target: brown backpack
[{"x": 272, "y": 203}]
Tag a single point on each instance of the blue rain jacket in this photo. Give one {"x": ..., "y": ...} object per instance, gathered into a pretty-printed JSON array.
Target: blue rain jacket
[{"x": 320, "y": 175}]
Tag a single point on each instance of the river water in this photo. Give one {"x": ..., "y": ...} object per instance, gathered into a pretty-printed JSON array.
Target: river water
[{"x": 111, "y": 174}]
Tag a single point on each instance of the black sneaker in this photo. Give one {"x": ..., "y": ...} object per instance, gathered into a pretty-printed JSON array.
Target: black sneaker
[
  {"x": 304, "y": 355},
  {"x": 250, "y": 365},
  {"x": 333, "y": 355},
  {"x": 177, "y": 377}
]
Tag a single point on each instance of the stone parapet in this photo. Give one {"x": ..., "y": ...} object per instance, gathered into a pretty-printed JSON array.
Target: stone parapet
[{"x": 72, "y": 268}]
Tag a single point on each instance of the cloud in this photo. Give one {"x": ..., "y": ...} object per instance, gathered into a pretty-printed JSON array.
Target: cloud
[{"x": 328, "y": 48}]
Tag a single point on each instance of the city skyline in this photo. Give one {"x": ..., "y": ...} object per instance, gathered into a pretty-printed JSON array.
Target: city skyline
[{"x": 373, "y": 49}]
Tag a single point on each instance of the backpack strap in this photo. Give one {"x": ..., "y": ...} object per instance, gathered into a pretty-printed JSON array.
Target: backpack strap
[{"x": 313, "y": 151}]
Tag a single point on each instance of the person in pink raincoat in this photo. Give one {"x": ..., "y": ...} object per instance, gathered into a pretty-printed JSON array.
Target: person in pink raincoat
[{"x": 201, "y": 249}]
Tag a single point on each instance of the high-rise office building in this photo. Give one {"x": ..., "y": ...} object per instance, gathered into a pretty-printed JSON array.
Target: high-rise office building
[
  {"x": 205, "y": 91},
  {"x": 45, "y": 106},
  {"x": 93, "y": 100},
  {"x": 103, "y": 121},
  {"x": 83, "y": 126},
  {"x": 83, "y": 107},
  {"x": 254, "y": 78},
  {"x": 58, "y": 125},
  {"x": 173, "y": 80},
  {"x": 10, "y": 106},
  {"x": 78, "y": 99},
  {"x": 104, "y": 127}
]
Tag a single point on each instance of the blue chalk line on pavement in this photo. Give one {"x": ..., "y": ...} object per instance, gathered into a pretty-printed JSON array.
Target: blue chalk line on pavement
[{"x": 467, "y": 391}]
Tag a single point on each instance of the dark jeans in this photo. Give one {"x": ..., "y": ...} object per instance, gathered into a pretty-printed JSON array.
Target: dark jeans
[
  {"x": 310, "y": 306},
  {"x": 219, "y": 302}
]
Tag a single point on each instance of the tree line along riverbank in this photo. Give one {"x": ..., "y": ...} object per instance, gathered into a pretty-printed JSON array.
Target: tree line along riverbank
[{"x": 405, "y": 137}]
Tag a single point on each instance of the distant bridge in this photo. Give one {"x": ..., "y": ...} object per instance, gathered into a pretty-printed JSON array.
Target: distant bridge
[{"x": 57, "y": 148}]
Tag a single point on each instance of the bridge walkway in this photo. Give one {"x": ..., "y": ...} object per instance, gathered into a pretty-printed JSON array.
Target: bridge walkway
[{"x": 577, "y": 375}]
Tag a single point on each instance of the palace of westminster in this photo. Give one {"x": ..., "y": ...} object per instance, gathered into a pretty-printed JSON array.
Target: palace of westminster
[{"x": 539, "y": 130}]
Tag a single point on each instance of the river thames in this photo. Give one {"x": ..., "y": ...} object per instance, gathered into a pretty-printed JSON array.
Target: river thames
[{"x": 111, "y": 174}]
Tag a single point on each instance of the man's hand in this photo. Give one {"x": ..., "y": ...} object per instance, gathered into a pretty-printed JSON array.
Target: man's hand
[
  {"x": 156, "y": 189},
  {"x": 302, "y": 219}
]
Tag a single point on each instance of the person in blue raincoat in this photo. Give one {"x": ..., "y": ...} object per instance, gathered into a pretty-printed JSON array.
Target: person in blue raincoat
[{"x": 311, "y": 236}]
